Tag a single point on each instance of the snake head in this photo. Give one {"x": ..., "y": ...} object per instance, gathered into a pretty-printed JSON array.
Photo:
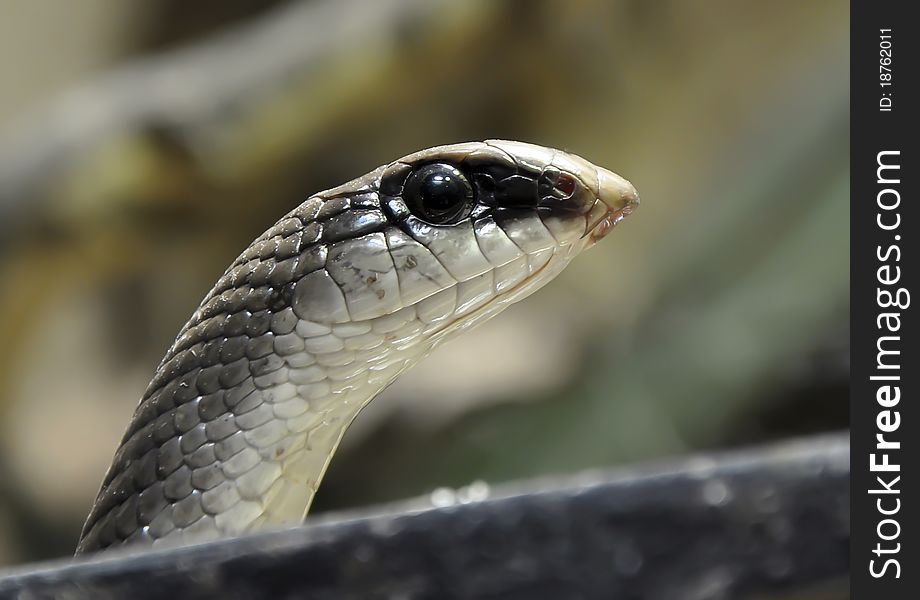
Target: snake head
[
  {"x": 447, "y": 185},
  {"x": 323, "y": 311},
  {"x": 488, "y": 223}
]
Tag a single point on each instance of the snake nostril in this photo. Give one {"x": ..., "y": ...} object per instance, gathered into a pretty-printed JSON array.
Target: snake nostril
[
  {"x": 565, "y": 184},
  {"x": 556, "y": 184}
]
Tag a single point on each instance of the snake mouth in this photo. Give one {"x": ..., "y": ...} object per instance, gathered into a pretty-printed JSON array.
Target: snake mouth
[
  {"x": 611, "y": 219},
  {"x": 616, "y": 200}
]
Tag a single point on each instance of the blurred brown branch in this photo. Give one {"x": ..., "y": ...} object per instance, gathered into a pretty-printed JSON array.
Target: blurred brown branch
[{"x": 225, "y": 109}]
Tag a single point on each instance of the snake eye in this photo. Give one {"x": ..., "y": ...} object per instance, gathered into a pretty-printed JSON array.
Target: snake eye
[{"x": 439, "y": 194}]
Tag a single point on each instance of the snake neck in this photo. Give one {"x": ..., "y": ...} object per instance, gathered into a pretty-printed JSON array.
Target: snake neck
[{"x": 309, "y": 403}]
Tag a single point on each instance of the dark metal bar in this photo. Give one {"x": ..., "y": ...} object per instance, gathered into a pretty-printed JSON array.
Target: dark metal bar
[{"x": 765, "y": 523}]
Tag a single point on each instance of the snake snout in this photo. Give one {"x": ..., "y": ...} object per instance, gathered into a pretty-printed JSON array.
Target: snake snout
[{"x": 617, "y": 199}]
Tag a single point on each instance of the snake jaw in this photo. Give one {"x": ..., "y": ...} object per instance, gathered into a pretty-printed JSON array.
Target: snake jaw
[{"x": 616, "y": 200}]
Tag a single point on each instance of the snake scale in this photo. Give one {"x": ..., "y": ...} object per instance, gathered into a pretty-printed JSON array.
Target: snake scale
[{"x": 323, "y": 311}]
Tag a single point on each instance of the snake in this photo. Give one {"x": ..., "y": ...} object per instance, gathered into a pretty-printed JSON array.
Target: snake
[{"x": 322, "y": 312}]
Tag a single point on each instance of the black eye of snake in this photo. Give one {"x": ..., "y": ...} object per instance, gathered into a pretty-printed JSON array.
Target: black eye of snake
[{"x": 438, "y": 193}]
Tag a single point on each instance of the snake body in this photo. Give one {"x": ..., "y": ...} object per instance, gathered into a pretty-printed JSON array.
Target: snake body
[{"x": 323, "y": 311}]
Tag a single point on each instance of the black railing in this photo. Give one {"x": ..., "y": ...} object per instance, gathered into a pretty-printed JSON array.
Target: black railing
[{"x": 770, "y": 522}]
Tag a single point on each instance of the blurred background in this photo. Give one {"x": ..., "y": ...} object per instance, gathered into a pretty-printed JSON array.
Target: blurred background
[{"x": 144, "y": 143}]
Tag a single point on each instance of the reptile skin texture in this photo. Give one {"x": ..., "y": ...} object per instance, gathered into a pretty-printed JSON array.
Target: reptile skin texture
[{"x": 320, "y": 313}]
